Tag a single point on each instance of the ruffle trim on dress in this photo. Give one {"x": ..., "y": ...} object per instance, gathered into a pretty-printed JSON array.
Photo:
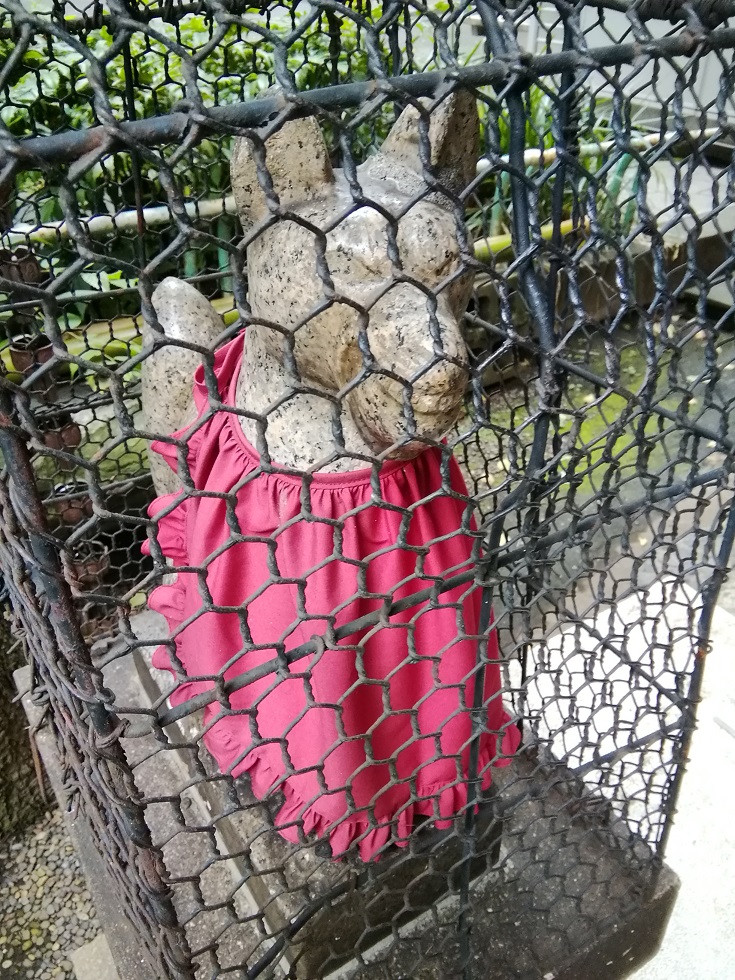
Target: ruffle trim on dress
[
  {"x": 297, "y": 814},
  {"x": 171, "y": 533},
  {"x": 170, "y": 600},
  {"x": 297, "y": 817}
]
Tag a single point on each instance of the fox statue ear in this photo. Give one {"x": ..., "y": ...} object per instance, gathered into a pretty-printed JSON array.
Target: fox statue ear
[
  {"x": 454, "y": 139},
  {"x": 297, "y": 162}
]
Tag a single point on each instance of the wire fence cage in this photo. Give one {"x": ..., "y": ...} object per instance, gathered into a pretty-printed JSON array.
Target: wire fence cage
[{"x": 372, "y": 654}]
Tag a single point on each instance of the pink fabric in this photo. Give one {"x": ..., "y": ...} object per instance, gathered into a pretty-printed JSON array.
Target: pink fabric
[{"x": 307, "y": 732}]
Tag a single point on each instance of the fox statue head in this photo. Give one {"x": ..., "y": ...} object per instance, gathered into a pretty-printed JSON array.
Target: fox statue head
[{"x": 356, "y": 288}]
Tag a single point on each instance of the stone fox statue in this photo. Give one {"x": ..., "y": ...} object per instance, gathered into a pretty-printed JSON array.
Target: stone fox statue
[{"x": 314, "y": 487}]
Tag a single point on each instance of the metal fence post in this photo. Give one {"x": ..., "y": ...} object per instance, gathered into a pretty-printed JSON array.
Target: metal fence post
[{"x": 102, "y": 749}]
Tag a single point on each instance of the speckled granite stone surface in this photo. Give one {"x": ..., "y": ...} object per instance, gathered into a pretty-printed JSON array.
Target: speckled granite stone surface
[{"x": 183, "y": 315}]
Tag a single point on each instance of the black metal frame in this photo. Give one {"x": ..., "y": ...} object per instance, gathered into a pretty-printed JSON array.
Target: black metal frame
[{"x": 94, "y": 729}]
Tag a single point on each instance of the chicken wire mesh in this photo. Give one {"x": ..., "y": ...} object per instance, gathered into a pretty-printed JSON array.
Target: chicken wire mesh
[{"x": 336, "y": 759}]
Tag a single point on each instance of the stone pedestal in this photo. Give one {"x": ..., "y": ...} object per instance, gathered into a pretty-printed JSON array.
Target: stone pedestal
[{"x": 568, "y": 893}]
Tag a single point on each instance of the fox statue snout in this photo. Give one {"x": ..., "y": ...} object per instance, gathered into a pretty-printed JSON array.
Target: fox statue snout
[{"x": 354, "y": 347}]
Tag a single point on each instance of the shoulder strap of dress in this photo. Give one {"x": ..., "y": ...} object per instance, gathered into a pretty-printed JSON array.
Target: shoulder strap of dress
[{"x": 227, "y": 362}]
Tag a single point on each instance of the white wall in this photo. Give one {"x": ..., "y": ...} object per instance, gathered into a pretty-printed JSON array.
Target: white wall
[{"x": 649, "y": 87}]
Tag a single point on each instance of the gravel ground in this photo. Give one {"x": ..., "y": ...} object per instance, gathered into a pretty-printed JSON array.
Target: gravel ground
[{"x": 45, "y": 909}]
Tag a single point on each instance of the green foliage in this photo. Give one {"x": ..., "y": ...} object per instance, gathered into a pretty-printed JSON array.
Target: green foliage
[
  {"x": 113, "y": 459},
  {"x": 596, "y": 181},
  {"x": 50, "y": 91}
]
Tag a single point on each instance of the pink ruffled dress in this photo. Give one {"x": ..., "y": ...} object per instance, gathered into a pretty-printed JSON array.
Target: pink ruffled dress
[{"x": 363, "y": 738}]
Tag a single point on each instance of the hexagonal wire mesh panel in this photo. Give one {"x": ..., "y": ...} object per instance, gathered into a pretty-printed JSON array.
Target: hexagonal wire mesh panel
[{"x": 366, "y": 397}]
